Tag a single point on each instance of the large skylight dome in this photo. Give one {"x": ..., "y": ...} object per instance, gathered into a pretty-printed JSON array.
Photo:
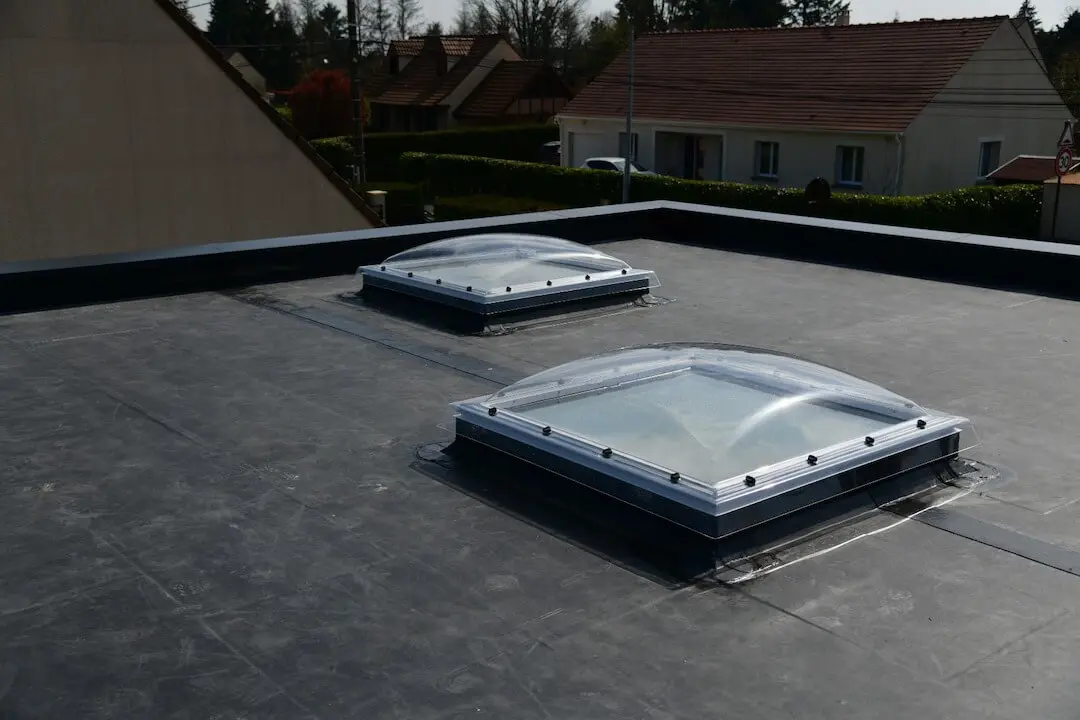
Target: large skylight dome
[
  {"x": 715, "y": 438},
  {"x": 498, "y": 273}
]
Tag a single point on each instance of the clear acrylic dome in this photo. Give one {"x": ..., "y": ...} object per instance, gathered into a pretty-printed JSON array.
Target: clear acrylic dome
[
  {"x": 491, "y": 263},
  {"x": 710, "y": 411}
]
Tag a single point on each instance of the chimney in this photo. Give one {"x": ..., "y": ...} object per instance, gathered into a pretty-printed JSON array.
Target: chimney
[{"x": 844, "y": 18}]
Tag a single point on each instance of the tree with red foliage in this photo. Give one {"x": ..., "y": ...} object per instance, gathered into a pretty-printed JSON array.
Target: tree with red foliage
[{"x": 320, "y": 104}]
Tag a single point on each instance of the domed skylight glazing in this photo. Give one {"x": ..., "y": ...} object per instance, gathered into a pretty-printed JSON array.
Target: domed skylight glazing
[
  {"x": 504, "y": 272},
  {"x": 717, "y": 429}
]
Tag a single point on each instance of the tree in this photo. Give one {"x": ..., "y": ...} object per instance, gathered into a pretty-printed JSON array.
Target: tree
[
  {"x": 540, "y": 29},
  {"x": 228, "y": 23},
  {"x": 606, "y": 39},
  {"x": 407, "y": 16},
  {"x": 1027, "y": 12},
  {"x": 320, "y": 104},
  {"x": 433, "y": 29},
  {"x": 809, "y": 13},
  {"x": 646, "y": 15},
  {"x": 710, "y": 14},
  {"x": 378, "y": 24},
  {"x": 333, "y": 37},
  {"x": 474, "y": 17}
]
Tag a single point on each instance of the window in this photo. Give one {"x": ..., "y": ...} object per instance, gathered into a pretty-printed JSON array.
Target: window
[
  {"x": 849, "y": 165},
  {"x": 989, "y": 157},
  {"x": 767, "y": 159},
  {"x": 633, "y": 146}
]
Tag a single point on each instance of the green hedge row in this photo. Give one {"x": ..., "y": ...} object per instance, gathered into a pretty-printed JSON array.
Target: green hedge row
[
  {"x": 384, "y": 150},
  {"x": 478, "y": 206},
  {"x": 1010, "y": 211}
]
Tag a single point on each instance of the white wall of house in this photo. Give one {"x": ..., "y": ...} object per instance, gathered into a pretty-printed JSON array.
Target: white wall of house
[
  {"x": 731, "y": 153},
  {"x": 1000, "y": 96},
  {"x": 501, "y": 51}
]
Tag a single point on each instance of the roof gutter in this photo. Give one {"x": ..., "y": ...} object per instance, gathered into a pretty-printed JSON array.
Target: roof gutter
[
  {"x": 676, "y": 125},
  {"x": 899, "y": 184}
]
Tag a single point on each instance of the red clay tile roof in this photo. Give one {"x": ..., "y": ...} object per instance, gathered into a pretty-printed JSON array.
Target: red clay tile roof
[
  {"x": 453, "y": 45},
  {"x": 1028, "y": 169},
  {"x": 425, "y": 81},
  {"x": 853, "y": 77},
  {"x": 508, "y": 81}
]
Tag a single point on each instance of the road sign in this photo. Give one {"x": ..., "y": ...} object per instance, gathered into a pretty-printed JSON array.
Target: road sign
[
  {"x": 1067, "y": 139},
  {"x": 1064, "y": 162}
]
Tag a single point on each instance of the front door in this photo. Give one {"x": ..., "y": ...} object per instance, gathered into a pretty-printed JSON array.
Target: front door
[{"x": 693, "y": 158}]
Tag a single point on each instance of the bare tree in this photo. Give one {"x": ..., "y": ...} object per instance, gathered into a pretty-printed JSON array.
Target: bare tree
[
  {"x": 407, "y": 17},
  {"x": 541, "y": 29},
  {"x": 378, "y": 21}
]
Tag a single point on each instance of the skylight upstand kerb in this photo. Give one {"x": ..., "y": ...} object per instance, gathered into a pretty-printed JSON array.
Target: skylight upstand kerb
[{"x": 912, "y": 438}]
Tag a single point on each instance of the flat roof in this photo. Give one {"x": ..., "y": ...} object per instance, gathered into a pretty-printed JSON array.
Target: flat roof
[{"x": 216, "y": 503}]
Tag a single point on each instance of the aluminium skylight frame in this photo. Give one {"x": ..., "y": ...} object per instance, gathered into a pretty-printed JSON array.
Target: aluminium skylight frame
[
  {"x": 589, "y": 282},
  {"x": 730, "y": 505}
]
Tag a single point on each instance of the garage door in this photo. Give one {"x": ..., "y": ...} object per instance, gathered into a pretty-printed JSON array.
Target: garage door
[{"x": 586, "y": 145}]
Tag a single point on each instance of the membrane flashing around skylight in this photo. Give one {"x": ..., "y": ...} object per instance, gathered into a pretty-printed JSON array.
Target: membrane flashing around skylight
[
  {"x": 497, "y": 273},
  {"x": 715, "y": 438}
]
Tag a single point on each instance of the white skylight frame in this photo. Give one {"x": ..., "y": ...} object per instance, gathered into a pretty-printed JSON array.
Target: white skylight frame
[
  {"x": 578, "y": 272},
  {"x": 918, "y": 437}
]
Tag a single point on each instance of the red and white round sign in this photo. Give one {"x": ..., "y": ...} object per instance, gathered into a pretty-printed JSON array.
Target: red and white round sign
[{"x": 1064, "y": 161}]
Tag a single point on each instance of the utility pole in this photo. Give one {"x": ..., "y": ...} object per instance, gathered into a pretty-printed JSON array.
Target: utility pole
[
  {"x": 629, "y": 119},
  {"x": 352, "y": 17}
]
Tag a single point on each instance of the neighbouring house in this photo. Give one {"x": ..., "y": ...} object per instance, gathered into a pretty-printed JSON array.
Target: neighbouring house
[
  {"x": 1026, "y": 170},
  {"x": 435, "y": 83},
  {"x": 135, "y": 134},
  {"x": 246, "y": 70},
  {"x": 891, "y": 108}
]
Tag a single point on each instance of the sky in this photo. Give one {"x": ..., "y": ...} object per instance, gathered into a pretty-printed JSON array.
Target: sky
[{"x": 1051, "y": 12}]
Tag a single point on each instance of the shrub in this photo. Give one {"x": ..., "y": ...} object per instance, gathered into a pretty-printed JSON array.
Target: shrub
[
  {"x": 285, "y": 113},
  {"x": 476, "y": 206},
  {"x": 1012, "y": 210},
  {"x": 320, "y": 104},
  {"x": 384, "y": 150}
]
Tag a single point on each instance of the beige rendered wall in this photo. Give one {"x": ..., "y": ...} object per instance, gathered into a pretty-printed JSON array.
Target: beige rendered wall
[
  {"x": 118, "y": 133},
  {"x": 1001, "y": 94}
]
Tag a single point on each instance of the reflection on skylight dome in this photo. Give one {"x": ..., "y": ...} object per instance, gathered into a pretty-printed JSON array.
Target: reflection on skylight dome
[
  {"x": 509, "y": 270},
  {"x": 717, "y": 428}
]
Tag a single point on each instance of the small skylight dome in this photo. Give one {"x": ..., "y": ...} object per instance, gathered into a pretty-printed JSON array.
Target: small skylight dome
[
  {"x": 714, "y": 438},
  {"x": 499, "y": 273}
]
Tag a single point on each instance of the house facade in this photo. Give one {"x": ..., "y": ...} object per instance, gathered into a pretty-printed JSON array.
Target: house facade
[
  {"x": 171, "y": 148},
  {"x": 440, "y": 82},
  {"x": 896, "y": 108}
]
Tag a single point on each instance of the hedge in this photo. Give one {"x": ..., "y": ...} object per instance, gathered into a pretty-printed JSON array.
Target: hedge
[
  {"x": 477, "y": 206},
  {"x": 404, "y": 201},
  {"x": 384, "y": 150},
  {"x": 1008, "y": 211}
]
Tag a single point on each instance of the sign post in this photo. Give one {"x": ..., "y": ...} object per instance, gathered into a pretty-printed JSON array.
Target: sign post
[{"x": 1062, "y": 164}]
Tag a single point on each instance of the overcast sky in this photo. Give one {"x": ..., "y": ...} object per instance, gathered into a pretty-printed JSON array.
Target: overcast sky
[{"x": 1051, "y": 12}]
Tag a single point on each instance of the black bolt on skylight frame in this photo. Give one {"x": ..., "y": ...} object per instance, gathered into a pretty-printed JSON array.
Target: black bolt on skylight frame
[
  {"x": 492, "y": 275},
  {"x": 715, "y": 439}
]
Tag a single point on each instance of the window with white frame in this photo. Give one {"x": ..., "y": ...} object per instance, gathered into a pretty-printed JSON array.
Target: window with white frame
[
  {"x": 633, "y": 146},
  {"x": 767, "y": 159},
  {"x": 989, "y": 157},
  {"x": 849, "y": 165}
]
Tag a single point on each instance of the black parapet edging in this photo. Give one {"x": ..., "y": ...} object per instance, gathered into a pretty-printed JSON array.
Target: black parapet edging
[
  {"x": 35, "y": 285},
  {"x": 1014, "y": 264}
]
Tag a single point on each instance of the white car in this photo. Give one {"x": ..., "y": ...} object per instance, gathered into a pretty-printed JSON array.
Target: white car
[{"x": 616, "y": 164}]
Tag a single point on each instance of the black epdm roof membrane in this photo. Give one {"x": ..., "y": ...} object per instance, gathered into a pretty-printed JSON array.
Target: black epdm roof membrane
[{"x": 232, "y": 503}]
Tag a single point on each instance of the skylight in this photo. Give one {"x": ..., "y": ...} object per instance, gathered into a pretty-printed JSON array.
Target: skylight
[
  {"x": 500, "y": 273},
  {"x": 715, "y": 438}
]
